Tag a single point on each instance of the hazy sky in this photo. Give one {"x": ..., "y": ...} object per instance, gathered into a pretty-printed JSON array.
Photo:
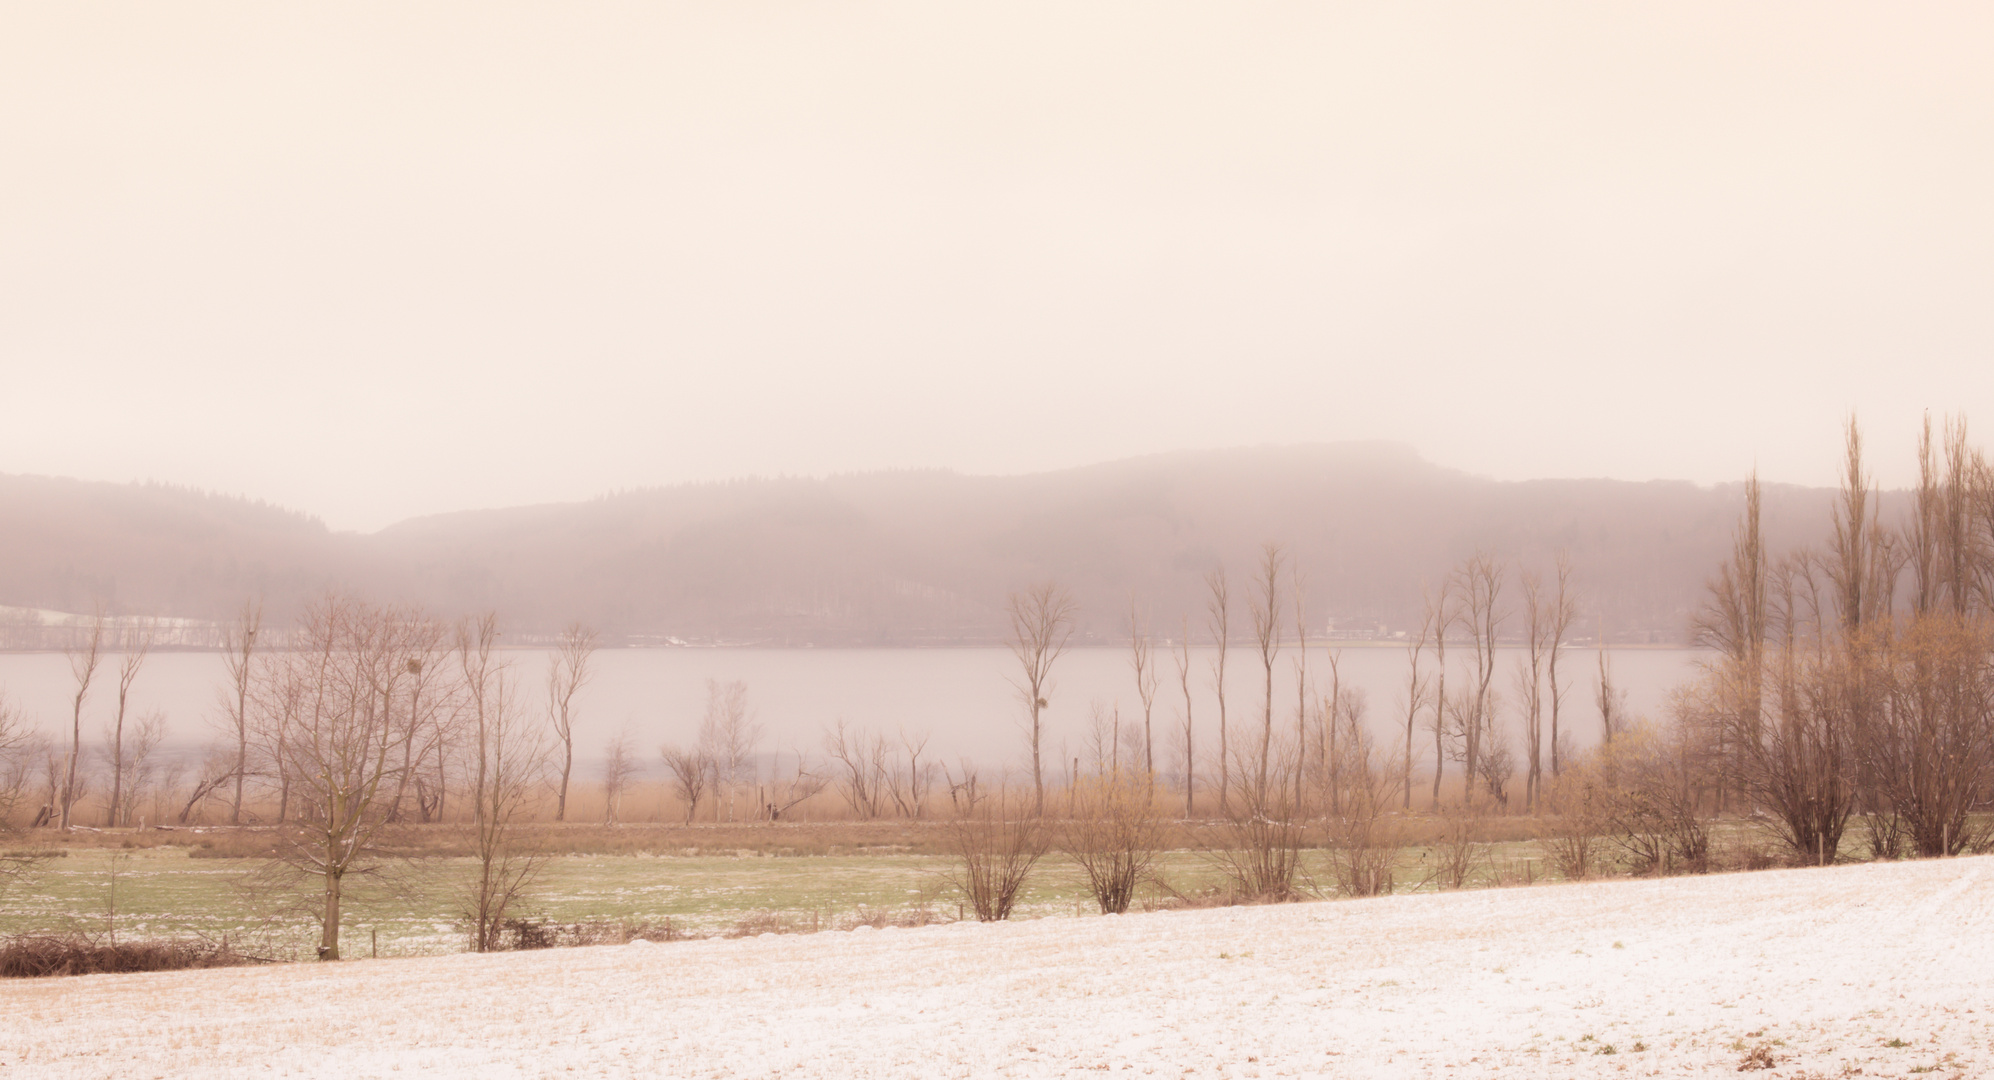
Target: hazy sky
[{"x": 376, "y": 260}]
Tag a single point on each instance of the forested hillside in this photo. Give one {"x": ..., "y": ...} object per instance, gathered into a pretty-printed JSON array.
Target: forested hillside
[{"x": 902, "y": 558}]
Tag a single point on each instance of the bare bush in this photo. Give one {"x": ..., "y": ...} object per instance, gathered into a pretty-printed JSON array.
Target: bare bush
[
  {"x": 1577, "y": 842},
  {"x": 1652, "y": 810},
  {"x": 1458, "y": 850},
  {"x": 1115, "y": 835},
  {"x": 1366, "y": 838},
  {"x": 995, "y": 847}
]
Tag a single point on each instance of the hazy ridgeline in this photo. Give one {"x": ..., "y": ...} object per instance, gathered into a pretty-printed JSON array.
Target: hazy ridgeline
[{"x": 901, "y": 558}]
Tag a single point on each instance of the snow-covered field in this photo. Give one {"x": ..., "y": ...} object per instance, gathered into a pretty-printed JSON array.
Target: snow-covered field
[{"x": 1885, "y": 969}]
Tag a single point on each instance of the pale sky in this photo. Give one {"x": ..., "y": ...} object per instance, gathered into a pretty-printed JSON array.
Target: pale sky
[{"x": 378, "y": 260}]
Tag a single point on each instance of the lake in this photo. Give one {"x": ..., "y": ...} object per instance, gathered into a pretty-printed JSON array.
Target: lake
[{"x": 961, "y": 697}]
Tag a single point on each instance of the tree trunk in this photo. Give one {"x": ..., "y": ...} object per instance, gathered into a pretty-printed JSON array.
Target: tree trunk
[{"x": 328, "y": 942}]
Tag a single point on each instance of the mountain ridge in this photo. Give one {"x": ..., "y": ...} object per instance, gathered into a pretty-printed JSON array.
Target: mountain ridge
[{"x": 904, "y": 557}]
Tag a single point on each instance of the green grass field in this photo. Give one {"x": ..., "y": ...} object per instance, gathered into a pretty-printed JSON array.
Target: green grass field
[{"x": 212, "y": 888}]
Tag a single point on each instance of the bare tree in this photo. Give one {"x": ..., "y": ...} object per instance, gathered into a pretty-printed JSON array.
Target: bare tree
[
  {"x": 1266, "y": 614},
  {"x": 1564, "y": 610},
  {"x": 217, "y": 768},
  {"x": 1301, "y": 694},
  {"x": 1218, "y": 609},
  {"x": 1142, "y": 660},
  {"x": 1607, "y": 698},
  {"x": 508, "y": 759},
  {"x": 569, "y": 673},
  {"x": 1481, "y": 581},
  {"x": 691, "y": 770},
  {"x": 1183, "y": 658},
  {"x": 1041, "y": 623},
  {"x": 788, "y": 794},
  {"x": 19, "y": 748},
  {"x": 1530, "y": 686},
  {"x": 859, "y": 768},
  {"x": 238, "y": 655},
  {"x": 133, "y": 765},
  {"x": 1418, "y": 690},
  {"x": 355, "y": 670},
  {"x": 83, "y": 660},
  {"x": 907, "y": 784},
  {"x": 619, "y": 764},
  {"x": 1442, "y": 613},
  {"x": 730, "y": 736},
  {"x": 136, "y": 646}
]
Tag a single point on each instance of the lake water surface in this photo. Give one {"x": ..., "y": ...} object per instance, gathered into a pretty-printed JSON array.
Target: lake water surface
[{"x": 963, "y": 698}]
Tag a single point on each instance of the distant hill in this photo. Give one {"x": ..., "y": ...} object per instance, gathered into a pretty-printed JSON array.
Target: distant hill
[{"x": 903, "y": 558}]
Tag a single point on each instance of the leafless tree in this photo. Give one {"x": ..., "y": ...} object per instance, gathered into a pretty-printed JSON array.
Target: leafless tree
[
  {"x": 1537, "y": 620},
  {"x": 132, "y": 766},
  {"x": 803, "y": 784},
  {"x": 1343, "y": 739},
  {"x": 508, "y": 759},
  {"x": 356, "y": 668},
  {"x": 859, "y": 768},
  {"x": 1301, "y": 694},
  {"x": 1041, "y": 623},
  {"x": 1182, "y": 655},
  {"x": 691, "y": 770},
  {"x": 83, "y": 660},
  {"x": 1142, "y": 660},
  {"x": 569, "y": 673},
  {"x": 19, "y": 748},
  {"x": 136, "y": 645},
  {"x": 1266, "y": 614},
  {"x": 730, "y": 735},
  {"x": 238, "y": 655},
  {"x": 1564, "y": 610},
  {"x": 1481, "y": 582},
  {"x": 1442, "y": 614},
  {"x": 1418, "y": 691},
  {"x": 619, "y": 766},
  {"x": 1607, "y": 698},
  {"x": 1218, "y": 610},
  {"x": 216, "y": 770},
  {"x": 433, "y": 723},
  {"x": 909, "y": 779}
]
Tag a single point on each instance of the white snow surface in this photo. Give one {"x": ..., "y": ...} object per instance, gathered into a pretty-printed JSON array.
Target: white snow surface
[{"x": 1823, "y": 968}]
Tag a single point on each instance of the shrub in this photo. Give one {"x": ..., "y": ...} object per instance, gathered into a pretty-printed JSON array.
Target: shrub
[
  {"x": 1115, "y": 836},
  {"x": 995, "y": 849},
  {"x": 28, "y": 956}
]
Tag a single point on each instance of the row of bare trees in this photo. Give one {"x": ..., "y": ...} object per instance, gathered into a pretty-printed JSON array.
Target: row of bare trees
[{"x": 1251, "y": 770}]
